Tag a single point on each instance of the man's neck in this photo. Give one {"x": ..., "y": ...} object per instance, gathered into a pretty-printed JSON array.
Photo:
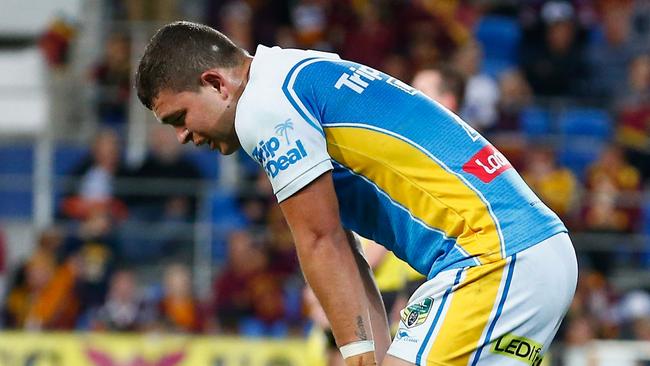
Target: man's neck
[{"x": 245, "y": 75}]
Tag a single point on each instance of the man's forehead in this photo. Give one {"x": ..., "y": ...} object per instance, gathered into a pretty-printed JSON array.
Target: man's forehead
[{"x": 161, "y": 104}]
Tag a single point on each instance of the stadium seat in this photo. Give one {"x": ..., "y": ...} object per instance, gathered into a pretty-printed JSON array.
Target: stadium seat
[
  {"x": 535, "y": 121},
  {"x": 207, "y": 161},
  {"x": 645, "y": 230},
  {"x": 499, "y": 36},
  {"x": 16, "y": 165},
  {"x": 252, "y": 327},
  {"x": 578, "y": 153},
  {"x": 494, "y": 67},
  {"x": 16, "y": 159},
  {"x": 66, "y": 158},
  {"x": 225, "y": 217},
  {"x": 590, "y": 122}
]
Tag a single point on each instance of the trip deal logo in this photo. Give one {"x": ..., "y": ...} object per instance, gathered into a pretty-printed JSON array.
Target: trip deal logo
[
  {"x": 278, "y": 153},
  {"x": 487, "y": 164}
]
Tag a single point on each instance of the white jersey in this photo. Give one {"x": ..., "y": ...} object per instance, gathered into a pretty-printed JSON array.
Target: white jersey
[
  {"x": 408, "y": 173},
  {"x": 272, "y": 131},
  {"x": 418, "y": 180}
]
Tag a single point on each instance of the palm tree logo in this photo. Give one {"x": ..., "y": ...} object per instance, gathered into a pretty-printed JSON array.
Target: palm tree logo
[{"x": 283, "y": 129}]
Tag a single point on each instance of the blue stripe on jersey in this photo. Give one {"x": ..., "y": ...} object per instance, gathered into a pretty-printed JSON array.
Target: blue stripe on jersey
[
  {"x": 307, "y": 113},
  {"x": 439, "y": 162},
  {"x": 392, "y": 225},
  {"x": 384, "y": 221},
  {"x": 523, "y": 219}
]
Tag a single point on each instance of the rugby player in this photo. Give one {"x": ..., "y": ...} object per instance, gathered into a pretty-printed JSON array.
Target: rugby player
[{"x": 347, "y": 147}]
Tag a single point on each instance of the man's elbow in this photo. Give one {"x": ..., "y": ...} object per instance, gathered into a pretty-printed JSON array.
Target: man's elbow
[{"x": 321, "y": 241}]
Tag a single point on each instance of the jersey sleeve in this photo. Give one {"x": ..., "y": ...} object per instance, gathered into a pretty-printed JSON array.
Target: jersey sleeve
[{"x": 292, "y": 151}]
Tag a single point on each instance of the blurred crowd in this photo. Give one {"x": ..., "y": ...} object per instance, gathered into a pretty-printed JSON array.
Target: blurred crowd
[{"x": 561, "y": 87}]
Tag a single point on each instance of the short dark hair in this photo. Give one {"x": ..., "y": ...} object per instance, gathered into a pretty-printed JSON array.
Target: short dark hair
[
  {"x": 452, "y": 82},
  {"x": 177, "y": 55}
]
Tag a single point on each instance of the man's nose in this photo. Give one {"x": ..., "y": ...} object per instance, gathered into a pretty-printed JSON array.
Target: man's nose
[{"x": 183, "y": 135}]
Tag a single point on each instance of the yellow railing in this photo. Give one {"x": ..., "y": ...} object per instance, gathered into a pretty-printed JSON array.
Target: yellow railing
[{"x": 95, "y": 349}]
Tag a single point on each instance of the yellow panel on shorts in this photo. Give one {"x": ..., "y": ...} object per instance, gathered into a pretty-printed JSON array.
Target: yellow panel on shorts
[
  {"x": 431, "y": 193},
  {"x": 467, "y": 315}
]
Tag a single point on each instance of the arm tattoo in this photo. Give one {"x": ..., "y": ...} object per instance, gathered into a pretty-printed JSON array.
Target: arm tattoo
[{"x": 361, "y": 329}]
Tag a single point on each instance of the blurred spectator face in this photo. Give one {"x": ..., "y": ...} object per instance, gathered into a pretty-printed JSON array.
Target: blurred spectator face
[
  {"x": 236, "y": 23},
  {"x": 123, "y": 287},
  {"x": 558, "y": 16},
  {"x": 280, "y": 232},
  {"x": 244, "y": 257},
  {"x": 50, "y": 239},
  {"x": 612, "y": 157},
  {"x": 106, "y": 150},
  {"x": 423, "y": 52},
  {"x": 369, "y": 16},
  {"x": 616, "y": 23},
  {"x": 396, "y": 66},
  {"x": 164, "y": 144},
  {"x": 97, "y": 224},
  {"x": 93, "y": 262},
  {"x": 40, "y": 271},
  {"x": 118, "y": 52},
  {"x": 560, "y": 35},
  {"x": 309, "y": 20},
  {"x": 541, "y": 162},
  {"x": 263, "y": 184},
  {"x": 177, "y": 281},
  {"x": 642, "y": 329},
  {"x": 468, "y": 58},
  {"x": 580, "y": 331},
  {"x": 285, "y": 38},
  {"x": 639, "y": 74},
  {"x": 430, "y": 82},
  {"x": 514, "y": 88}
]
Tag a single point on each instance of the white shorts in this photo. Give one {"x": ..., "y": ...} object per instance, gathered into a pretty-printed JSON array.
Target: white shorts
[{"x": 502, "y": 313}]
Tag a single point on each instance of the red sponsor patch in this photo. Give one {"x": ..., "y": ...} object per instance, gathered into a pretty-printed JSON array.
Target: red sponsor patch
[{"x": 487, "y": 164}]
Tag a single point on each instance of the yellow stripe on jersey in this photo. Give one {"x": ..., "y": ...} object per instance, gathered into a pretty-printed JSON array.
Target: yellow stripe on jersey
[
  {"x": 467, "y": 316},
  {"x": 414, "y": 180}
]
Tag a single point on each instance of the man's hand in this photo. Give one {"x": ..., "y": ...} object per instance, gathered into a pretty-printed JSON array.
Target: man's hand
[{"x": 364, "y": 359}]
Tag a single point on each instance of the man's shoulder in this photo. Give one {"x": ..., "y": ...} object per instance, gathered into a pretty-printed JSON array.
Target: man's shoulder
[
  {"x": 267, "y": 100},
  {"x": 272, "y": 65}
]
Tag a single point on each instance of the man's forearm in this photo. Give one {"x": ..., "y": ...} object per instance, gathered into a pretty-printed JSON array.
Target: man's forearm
[
  {"x": 378, "y": 316},
  {"x": 331, "y": 270}
]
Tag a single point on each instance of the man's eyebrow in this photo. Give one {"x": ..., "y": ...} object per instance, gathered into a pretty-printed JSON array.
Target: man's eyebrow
[{"x": 173, "y": 118}]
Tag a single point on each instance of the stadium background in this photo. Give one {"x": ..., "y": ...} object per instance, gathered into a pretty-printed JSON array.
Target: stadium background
[{"x": 117, "y": 246}]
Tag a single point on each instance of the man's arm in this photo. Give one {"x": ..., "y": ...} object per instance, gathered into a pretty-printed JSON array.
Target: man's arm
[
  {"x": 330, "y": 265},
  {"x": 374, "y": 253},
  {"x": 378, "y": 316}
]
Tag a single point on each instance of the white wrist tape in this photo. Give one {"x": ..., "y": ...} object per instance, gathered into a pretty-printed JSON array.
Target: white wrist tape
[{"x": 357, "y": 348}]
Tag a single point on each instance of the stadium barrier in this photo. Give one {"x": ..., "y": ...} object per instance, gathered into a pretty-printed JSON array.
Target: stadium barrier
[
  {"x": 105, "y": 349},
  {"x": 605, "y": 353}
]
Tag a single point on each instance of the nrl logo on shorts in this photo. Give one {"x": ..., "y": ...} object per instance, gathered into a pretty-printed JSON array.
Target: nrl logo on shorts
[{"x": 416, "y": 314}]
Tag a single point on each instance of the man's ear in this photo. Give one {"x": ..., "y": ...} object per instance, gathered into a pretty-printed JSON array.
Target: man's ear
[{"x": 216, "y": 80}]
